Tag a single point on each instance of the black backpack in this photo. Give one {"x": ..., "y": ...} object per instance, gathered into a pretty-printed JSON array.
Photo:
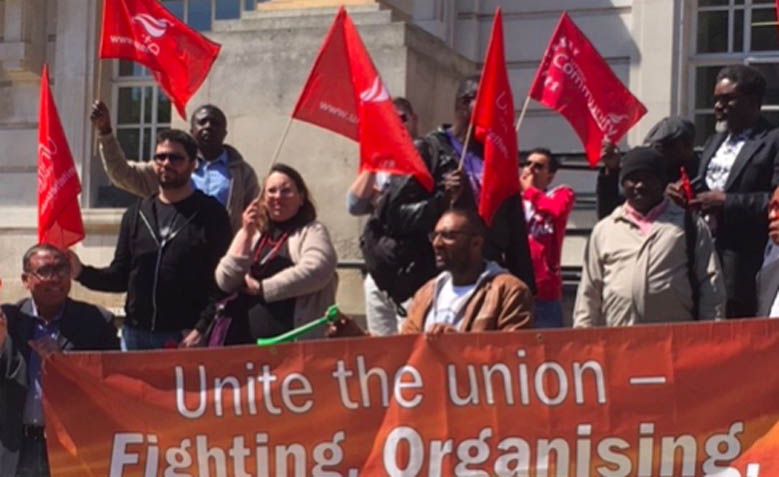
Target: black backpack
[{"x": 399, "y": 262}]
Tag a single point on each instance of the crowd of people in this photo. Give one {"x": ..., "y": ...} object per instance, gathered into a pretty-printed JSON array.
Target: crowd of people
[{"x": 208, "y": 257}]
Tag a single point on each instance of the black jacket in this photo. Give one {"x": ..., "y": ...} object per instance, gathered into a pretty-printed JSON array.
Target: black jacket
[
  {"x": 169, "y": 284},
  {"x": 83, "y": 327},
  {"x": 742, "y": 228},
  {"x": 506, "y": 241},
  {"x": 767, "y": 288}
]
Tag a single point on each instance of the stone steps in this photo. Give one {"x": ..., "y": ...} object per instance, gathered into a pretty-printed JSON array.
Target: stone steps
[{"x": 298, "y": 19}]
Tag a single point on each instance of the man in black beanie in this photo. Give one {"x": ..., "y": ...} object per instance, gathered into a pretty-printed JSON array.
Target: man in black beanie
[{"x": 649, "y": 261}]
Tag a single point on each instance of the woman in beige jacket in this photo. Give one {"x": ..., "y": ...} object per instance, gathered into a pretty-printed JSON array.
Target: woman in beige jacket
[{"x": 281, "y": 262}]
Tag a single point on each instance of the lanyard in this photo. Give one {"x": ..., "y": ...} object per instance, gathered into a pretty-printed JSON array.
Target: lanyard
[{"x": 266, "y": 240}]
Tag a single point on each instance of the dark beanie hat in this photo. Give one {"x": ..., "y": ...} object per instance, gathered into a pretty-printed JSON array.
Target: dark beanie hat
[{"x": 643, "y": 159}]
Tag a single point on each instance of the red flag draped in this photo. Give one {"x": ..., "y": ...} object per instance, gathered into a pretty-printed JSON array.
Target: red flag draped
[
  {"x": 576, "y": 81},
  {"x": 146, "y": 32},
  {"x": 344, "y": 93},
  {"x": 59, "y": 216},
  {"x": 493, "y": 120}
]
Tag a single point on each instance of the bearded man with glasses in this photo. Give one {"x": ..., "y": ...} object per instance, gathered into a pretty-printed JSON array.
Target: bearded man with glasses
[
  {"x": 469, "y": 294},
  {"x": 168, "y": 248}
]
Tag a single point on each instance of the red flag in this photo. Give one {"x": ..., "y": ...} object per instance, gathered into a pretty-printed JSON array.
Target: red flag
[
  {"x": 59, "y": 216},
  {"x": 493, "y": 120},
  {"x": 145, "y": 31},
  {"x": 344, "y": 93},
  {"x": 576, "y": 81},
  {"x": 686, "y": 184}
]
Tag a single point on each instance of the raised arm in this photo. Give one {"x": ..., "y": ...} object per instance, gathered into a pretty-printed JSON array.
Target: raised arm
[{"x": 133, "y": 176}]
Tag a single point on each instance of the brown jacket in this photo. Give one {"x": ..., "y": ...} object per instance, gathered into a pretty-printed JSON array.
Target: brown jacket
[
  {"x": 501, "y": 302},
  {"x": 139, "y": 178}
]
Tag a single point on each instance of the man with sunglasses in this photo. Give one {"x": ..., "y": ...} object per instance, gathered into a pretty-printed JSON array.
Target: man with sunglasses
[
  {"x": 220, "y": 170},
  {"x": 168, "y": 248},
  {"x": 546, "y": 213},
  {"x": 739, "y": 171},
  {"x": 51, "y": 320},
  {"x": 470, "y": 294}
]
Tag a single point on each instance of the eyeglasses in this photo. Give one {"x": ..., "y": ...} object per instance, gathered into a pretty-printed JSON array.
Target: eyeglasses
[
  {"x": 51, "y": 271},
  {"x": 446, "y": 235},
  {"x": 171, "y": 157}
]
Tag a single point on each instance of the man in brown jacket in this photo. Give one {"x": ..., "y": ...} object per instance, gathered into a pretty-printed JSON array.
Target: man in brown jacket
[
  {"x": 221, "y": 171},
  {"x": 470, "y": 294}
]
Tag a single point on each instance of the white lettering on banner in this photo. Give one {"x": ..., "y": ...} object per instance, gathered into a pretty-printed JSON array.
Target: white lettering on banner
[
  {"x": 56, "y": 187},
  {"x": 607, "y": 122},
  {"x": 336, "y": 111},
  {"x": 147, "y": 48},
  {"x": 131, "y": 448}
]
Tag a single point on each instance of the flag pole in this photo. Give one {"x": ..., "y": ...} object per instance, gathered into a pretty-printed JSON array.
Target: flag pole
[
  {"x": 522, "y": 112},
  {"x": 281, "y": 143},
  {"x": 98, "y": 89},
  {"x": 465, "y": 145}
]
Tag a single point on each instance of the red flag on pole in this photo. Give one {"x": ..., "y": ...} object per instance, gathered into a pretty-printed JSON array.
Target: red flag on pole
[
  {"x": 576, "y": 81},
  {"x": 59, "y": 216},
  {"x": 493, "y": 120},
  {"x": 344, "y": 93},
  {"x": 146, "y": 32}
]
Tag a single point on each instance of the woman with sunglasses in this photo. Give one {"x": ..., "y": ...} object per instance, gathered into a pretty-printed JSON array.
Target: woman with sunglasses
[{"x": 281, "y": 263}]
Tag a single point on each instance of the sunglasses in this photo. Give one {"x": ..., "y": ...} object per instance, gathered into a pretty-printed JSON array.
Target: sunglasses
[
  {"x": 170, "y": 157},
  {"x": 536, "y": 166}
]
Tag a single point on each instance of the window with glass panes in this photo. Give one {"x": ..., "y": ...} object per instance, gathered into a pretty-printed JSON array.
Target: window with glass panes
[
  {"x": 140, "y": 108},
  {"x": 731, "y": 32}
]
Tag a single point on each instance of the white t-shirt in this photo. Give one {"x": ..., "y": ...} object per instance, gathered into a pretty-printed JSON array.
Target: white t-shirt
[
  {"x": 719, "y": 168},
  {"x": 448, "y": 305}
]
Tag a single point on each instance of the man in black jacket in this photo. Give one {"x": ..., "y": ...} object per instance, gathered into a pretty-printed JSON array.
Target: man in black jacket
[
  {"x": 54, "y": 322},
  {"x": 739, "y": 169},
  {"x": 413, "y": 212},
  {"x": 168, "y": 248}
]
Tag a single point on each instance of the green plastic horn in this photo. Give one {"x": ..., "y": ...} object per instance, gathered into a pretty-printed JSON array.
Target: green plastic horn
[{"x": 330, "y": 316}]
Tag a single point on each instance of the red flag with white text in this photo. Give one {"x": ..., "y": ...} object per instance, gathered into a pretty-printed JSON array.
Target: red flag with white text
[
  {"x": 146, "y": 32},
  {"x": 493, "y": 120},
  {"x": 576, "y": 81},
  {"x": 345, "y": 94},
  {"x": 59, "y": 215}
]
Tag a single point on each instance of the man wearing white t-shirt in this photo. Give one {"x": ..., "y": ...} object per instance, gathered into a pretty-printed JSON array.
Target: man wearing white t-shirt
[
  {"x": 470, "y": 293},
  {"x": 738, "y": 172}
]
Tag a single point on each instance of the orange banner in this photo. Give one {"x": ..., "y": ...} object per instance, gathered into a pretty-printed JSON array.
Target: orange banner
[{"x": 699, "y": 399}]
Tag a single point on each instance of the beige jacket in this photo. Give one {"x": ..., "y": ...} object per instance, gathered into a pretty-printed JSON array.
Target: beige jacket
[
  {"x": 500, "y": 302},
  {"x": 629, "y": 278},
  {"x": 311, "y": 280},
  {"x": 139, "y": 178}
]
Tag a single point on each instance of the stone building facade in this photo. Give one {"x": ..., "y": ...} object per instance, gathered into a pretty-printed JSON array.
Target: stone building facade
[{"x": 665, "y": 51}]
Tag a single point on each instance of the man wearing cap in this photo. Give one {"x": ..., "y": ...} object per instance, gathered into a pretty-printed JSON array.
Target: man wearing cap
[
  {"x": 674, "y": 137},
  {"x": 649, "y": 261}
]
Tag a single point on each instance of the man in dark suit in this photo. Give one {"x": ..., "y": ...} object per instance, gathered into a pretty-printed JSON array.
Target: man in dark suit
[
  {"x": 739, "y": 170},
  {"x": 54, "y": 322},
  {"x": 768, "y": 277}
]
